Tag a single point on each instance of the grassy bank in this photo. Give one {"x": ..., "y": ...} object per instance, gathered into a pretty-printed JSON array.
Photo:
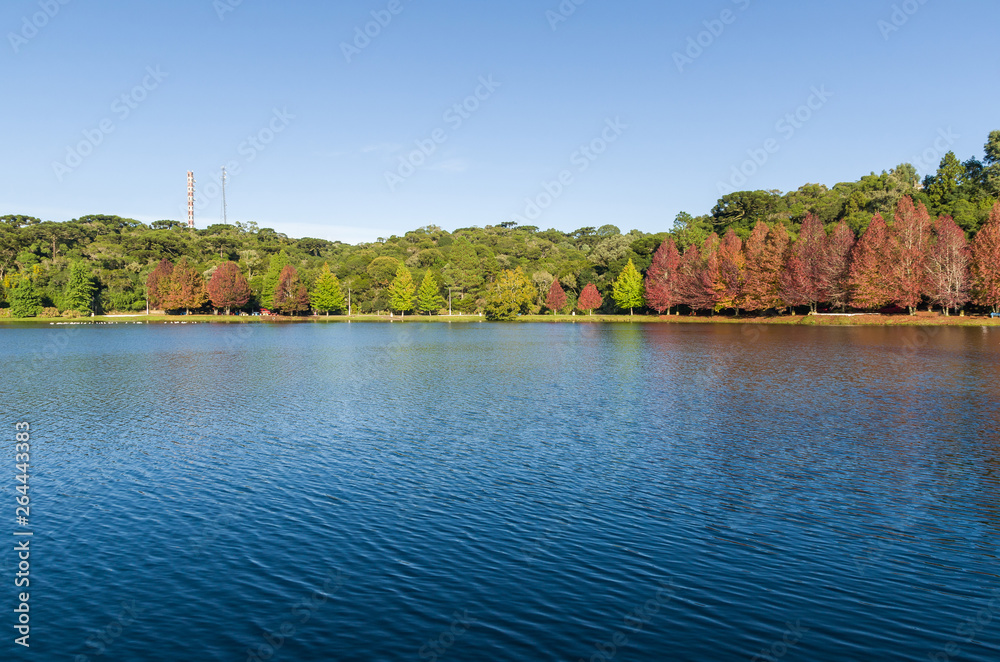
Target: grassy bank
[{"x": 921, "y": 319}]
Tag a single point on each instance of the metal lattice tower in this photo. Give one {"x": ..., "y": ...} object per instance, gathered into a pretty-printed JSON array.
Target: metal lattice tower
[{"x": 190, "y": 199}]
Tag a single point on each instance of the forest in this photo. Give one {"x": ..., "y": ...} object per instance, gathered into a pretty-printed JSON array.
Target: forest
[{"x": 886, "y": 240}]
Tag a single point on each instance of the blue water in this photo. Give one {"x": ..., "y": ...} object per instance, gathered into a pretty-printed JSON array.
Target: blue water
[{"x": 507, "y": 492}]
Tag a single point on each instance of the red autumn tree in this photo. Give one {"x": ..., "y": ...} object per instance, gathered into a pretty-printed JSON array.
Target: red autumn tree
[
  {"x": 801, "y": 278},
  {"x": 228, "y": 288},
  {"x": 948, "y": 266},
  {"x": 704, "y": 288},
  {"x": 661, "y": 278},
  {"x": 689, "y": 278},
  {"x": 869, "y": 275},
  {"x": 732, "y": 271},
  {"x": 185, "y": 289},
  {"x": 986, "y": 263},
  {"x": 833, "y": 270},
  {"x": 556, "y": 299},
  {"x": 590, "y": 299},
  {"x": 290, "y": 296},
  {"x": 158, "y": 282},
  {"x": 794, "y": 282},
  {"x": 765, "y": 251},
  {"x": 909, "y": 245}
]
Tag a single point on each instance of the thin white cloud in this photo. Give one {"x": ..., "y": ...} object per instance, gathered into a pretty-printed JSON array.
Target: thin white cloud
[
  {"x": 451, "y": 165},
  {"x": 388, "y": 148}
]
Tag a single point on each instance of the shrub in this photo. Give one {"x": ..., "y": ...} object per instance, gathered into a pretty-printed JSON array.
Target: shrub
[
  {"x": 70, "y": 313},
  {"x": 50, "y": 312}
]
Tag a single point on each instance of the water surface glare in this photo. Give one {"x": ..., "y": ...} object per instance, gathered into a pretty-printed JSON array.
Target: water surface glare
[{"x": 507, "y": 492}]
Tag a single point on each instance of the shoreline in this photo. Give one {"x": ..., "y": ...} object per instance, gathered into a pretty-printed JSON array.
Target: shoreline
[{"x": 921, "y": 319}]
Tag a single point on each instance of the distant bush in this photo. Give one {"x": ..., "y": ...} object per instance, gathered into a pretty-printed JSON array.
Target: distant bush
[
  {"x": 4, "y": 312},
  {"x": 50, "y": 312},
  {"x": 70, "y": 313}
]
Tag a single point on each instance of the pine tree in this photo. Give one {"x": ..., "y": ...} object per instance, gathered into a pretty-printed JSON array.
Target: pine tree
[
  {"x": 661, "y": 278},
  {"x": 327, "y": 295},
  {"x": 556, "y": 299},
  {"x": 290, "y": 295},
  {"x": 869, "y": 272},
  {"x": 23, "y": 297},
  {"x": 81, "y": 288},
  {"x": 228, "y": 288},
  {"x": 401, "y": 290},
  {"x": 910, "y": 244},
  {"x": 429, "y": 297},
  {"x": 948, "y": 266},
  {"x": 589, "y": 299},
  {"x": 627, "y": 290},
  {"x": 986, "y": 263}
]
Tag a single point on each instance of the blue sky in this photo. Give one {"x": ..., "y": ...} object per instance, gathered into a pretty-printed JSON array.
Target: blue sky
[{"x": 109, "y": 104}]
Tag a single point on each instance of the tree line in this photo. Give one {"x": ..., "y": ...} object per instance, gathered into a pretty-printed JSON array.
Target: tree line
[{"x": 725, "y": 260}]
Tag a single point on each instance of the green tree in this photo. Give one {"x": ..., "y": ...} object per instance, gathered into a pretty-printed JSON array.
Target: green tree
[
  {"x": 512, "y": 294},
  {"x": 429, "y": 296},
  {"x": 401, "y": 290},
  {"x": 274, "y": 268},
  {"x": 382, "y": 269},
  {"x": 327, "y": 295},
  {"x": 23, "y": 297},
  {"x": 628, "y": 289},
  {"x": 81, "y": 288}
]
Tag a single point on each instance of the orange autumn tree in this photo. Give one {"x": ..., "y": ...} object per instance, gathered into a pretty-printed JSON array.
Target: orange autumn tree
[
  {"x": 185, "y": 288},
  {"x": 765, "y": 254},
  {"x": 732, "y": 271}
]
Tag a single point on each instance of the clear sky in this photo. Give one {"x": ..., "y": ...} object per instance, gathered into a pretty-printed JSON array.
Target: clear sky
[{"x": 108, "y": 104}]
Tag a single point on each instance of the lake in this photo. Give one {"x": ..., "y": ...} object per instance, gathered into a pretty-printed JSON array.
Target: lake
[{"x": 457, "y": 492}]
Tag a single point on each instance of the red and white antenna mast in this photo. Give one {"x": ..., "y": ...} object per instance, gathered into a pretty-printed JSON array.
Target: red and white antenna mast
[{"x": 191, "y": 199}]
